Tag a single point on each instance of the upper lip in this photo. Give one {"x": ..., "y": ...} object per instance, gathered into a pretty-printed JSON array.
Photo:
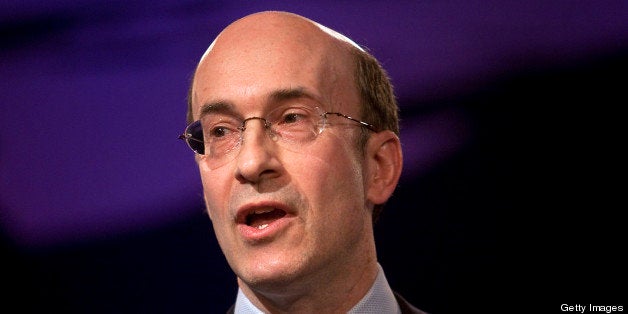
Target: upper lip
[{"x": 244, "y": 211}]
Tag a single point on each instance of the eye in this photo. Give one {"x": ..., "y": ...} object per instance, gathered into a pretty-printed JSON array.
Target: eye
[
  {"x": 294, "y": 116},
  {"x": 291, "y": 118},
  {"x": 221, "y": 131},
  {"x": 218, "y": 131},
  {"x": 219, "y": 126}
]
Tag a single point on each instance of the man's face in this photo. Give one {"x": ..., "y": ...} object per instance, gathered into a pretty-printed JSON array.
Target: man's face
[{"x": 281, "y": 215}]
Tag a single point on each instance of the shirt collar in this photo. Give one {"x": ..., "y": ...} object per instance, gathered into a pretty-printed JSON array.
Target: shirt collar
[{"x": 379, "y": 299}]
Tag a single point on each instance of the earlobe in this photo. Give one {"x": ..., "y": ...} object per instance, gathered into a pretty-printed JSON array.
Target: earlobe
[{"x": 385, "y": 161}]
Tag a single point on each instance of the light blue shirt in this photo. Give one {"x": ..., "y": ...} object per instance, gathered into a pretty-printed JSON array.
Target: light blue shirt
[{"x": 379, "y": 300}]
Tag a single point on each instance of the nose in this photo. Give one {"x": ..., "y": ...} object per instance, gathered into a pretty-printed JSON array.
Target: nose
[{"x": 257, "y": 159}]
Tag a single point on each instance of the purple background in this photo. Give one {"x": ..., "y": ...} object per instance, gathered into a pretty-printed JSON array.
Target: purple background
[{"x": 510, "y": 123}]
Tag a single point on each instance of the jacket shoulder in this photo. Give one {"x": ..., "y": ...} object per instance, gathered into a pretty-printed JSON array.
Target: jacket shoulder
[{"x": 405, "y": 306}]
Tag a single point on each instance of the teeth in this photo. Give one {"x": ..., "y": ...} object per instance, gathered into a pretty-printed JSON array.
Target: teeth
[
  {"x": 262, "y": 211},
  {"x": 260, "y": 227}
]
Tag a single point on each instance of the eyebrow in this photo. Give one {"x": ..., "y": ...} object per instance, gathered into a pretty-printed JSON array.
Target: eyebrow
[
  {"x": 219, "y": 106},
  {"x": 279, "y": 95},
  {"x": 289, "y": 93}
]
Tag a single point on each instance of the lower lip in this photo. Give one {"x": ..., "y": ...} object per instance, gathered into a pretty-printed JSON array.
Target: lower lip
[{"x": 254, "y": 234}]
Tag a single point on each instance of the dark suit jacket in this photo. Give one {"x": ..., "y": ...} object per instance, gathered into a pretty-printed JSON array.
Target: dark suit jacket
[{"x": 406, "y": 308}]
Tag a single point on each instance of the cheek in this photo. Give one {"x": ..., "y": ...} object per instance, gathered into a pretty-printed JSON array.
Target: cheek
[
  {"x": 330, "y": 178},
  {"x": 215, "y": 191},
  {"x": 216, "y": 195},
  {"x": 336, "y": 213}
]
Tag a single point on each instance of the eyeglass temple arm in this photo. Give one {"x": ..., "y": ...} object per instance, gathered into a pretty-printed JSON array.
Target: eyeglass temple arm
[
  {"x": 362, "y": 123},
  {"x": 189, "y": 137}
]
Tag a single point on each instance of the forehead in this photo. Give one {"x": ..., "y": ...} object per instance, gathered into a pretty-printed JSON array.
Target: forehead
[{"x": 248, "y": 62}]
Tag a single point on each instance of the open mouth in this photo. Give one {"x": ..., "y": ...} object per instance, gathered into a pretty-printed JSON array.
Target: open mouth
[{"x": 260, "y": 218}]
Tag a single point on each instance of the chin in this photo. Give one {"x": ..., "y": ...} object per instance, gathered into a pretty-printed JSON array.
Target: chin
[{"x": 270, "y": 275}]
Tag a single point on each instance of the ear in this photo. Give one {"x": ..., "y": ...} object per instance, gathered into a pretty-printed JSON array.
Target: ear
[{"x": 384, "y": 161}]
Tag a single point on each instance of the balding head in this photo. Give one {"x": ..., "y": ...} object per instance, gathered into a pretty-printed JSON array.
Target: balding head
[
  {"x": 261, "y": 20},
  {"x": 279, "y": 47}
]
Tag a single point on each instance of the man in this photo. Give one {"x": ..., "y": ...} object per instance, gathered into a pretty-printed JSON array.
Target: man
[{"x": 295, "y": 131}]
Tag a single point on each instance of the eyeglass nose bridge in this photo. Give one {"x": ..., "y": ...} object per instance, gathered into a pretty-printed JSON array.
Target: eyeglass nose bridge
[{"x": 265, "y": 123}]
